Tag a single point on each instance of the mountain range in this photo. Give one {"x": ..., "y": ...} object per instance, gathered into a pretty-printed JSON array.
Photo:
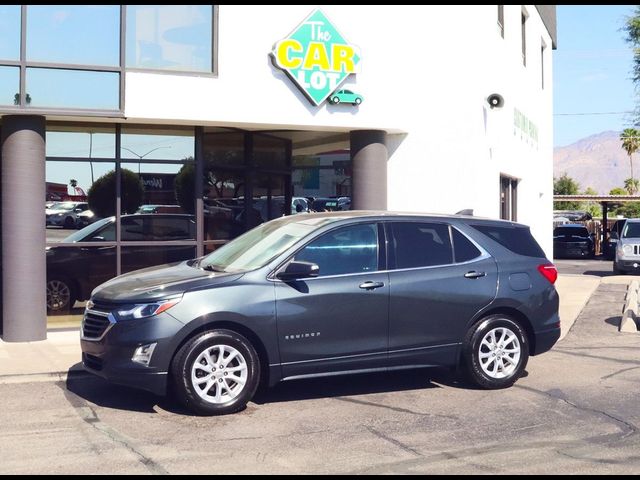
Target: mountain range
[{"x": 597, "y": 161}]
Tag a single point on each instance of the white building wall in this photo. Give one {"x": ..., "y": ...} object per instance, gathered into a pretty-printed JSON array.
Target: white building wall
[{"x": 425, "y": 74}]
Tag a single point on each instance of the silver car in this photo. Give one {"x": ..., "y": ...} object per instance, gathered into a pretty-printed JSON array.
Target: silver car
[
  {"x": 65, "y": 214},
  {"x": 627, "y": 257}
]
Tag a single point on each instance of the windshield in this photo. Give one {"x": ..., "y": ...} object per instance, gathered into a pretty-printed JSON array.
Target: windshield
[
  {"x": 568, "y": 231},
  {"x": 87, "y": 232},
  {"x": 259, "y": 246},
  {"x": 631, "y": 230}
]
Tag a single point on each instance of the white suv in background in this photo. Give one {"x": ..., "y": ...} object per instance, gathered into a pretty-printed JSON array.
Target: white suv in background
[{"x": 627, "y": 257}]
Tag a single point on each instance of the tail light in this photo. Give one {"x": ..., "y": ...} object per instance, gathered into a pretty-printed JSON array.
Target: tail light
[{"x": 549, "y": 271}]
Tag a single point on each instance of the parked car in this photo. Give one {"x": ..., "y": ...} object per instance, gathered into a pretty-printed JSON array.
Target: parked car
[
  {"x": 326, "y": 294},
  {"x": 73, "y": 272},
  {"x": 612, "y": 242},
  {"x": 331, "y": 204},
  {"x": 627, "y": 258},
  {"x": 160, "y": 209},
  {"x": 346, "y": 96},
  {"x": 65, "y": 214},
  {"x": 573, "y": 241}
]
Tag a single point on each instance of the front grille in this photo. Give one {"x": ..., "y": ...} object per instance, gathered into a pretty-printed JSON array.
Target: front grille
[
  {"x": 92, "y": 362},
  {"x": 96, "y": 321},
  {"x": 636, "y": 249}
]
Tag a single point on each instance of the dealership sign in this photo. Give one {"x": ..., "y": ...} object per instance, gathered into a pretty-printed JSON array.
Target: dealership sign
[{"x": 316, "y": 57}]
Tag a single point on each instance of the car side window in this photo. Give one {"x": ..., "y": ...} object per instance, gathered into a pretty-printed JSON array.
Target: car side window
[
  {"x": 352, "y": 249},
  {"x": 106, "y": 234},
  {"x": 132, "y": 229},
  {"x": 172, "y": 228},
  {"x": 463, "y": 248},
  {"x": 417, "y": 244}
]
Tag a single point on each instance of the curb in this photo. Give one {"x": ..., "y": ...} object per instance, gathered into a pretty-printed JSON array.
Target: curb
[
  {"x": 42, "y": 377},
  {"x": 630, "y": 315}
]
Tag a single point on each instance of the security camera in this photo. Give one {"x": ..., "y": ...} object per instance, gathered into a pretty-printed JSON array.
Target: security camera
[{"x": 495, "y": 100}]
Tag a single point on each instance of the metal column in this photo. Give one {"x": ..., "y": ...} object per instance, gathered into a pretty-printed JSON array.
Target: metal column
[{"x": 369, "y": 157}]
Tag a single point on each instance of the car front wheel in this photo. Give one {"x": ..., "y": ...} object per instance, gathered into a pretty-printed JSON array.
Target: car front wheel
[
  {"x": 60, "y": 295},
  {"x": 496, "y": 352},
  {"x": 216, "y": 373}
]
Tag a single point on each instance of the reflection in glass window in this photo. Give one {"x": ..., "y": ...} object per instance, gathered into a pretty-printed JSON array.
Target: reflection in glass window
[
  {"x": 82, "y": 35},
  {"x": 135, "y": 258},
  {"x": 172, "y": 37},
  {"x": 73, "y": 89},
  {"x": 166, "y": 188},
  {"x": 9, "y": 85},
  {"x": 86, "y": 142},
  {"x": 10, "y": 32},
  {"x": 325, "y": 177},
  {"x": 224, "y": 212},
  {"x": 226, "y": 148},
  {"x": 352, "y": 249},
  {"x": 269, "y": 152},
  {"x": 158, "y": 144}
]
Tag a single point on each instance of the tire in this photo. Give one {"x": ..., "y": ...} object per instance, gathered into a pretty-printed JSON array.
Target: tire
[
  {"x": 335, "y": 100},
  {"x": 217, "y": 394},
  {"x": 487, "y": 368},
  {"x": 61, "y": 295},
  {"x": 358, "y": 101},
  {"x": 69, "y": 223}
]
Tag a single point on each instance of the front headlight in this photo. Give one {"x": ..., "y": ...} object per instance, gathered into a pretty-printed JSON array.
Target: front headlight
[
  {"x": 145, "y": 310},
  {"x": 627, "y": 249}
]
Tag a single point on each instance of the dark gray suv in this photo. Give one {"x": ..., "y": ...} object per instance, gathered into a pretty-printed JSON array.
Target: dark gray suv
[{"x": 325, "y": 294}]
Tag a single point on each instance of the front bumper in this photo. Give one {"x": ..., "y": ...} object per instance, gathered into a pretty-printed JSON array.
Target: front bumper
[
  {"x": 110, "y": 357},
  {"x": 625, "y": 265},
  {"x": 55, "y": 221}
]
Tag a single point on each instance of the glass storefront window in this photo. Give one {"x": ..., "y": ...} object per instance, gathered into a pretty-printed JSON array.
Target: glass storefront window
[
  {"x": 171, "y": 37},
  {"x": 82, "y": 89},
  {"x": 157, "y": 143},
  {"x": 74, "y": 271},
  {"x": 90, "y": 141},
  {"x": 162, "y": 188},
  {"x": 269, "y": 197},
  {"x": 224, "y": 149},
  {"x": 269, "y": 152},
  {"x": 10, "y": 32},
  {"x": 224, "y": 205},
  {"x": 69, "y": 34},
  {"x": 325, "y": 179},
  {"x": 9, "y": 85},
  {"x": 137, "y": 257}
]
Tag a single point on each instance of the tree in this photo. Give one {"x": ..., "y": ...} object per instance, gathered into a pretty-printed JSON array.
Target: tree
[
  {"x": 102, "y": 194},
  {"x": 565, "y": 185},
  {"x": 630, "y": 138},
  {"x": 631, "y": 185},
  {"x": 632, "y": 30},
  {"x": 593, "y": 208}
]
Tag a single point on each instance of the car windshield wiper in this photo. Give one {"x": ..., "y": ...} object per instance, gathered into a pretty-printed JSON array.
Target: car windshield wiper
[{"x": 213, "y": 268}]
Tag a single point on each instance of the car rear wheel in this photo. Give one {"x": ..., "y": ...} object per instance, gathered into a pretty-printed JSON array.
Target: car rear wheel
[
  {"x": 216, "y": 373},
  {"x": 496, "y": 352},
  {"x": 60, "y": 295},
  {"x": 335, "y": 100},
  {"x": 69, "y": 223},
  {"x": 358, "y": 101}
]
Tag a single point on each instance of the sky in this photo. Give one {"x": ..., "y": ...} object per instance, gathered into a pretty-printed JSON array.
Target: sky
[{"x": 591, "y": 72}]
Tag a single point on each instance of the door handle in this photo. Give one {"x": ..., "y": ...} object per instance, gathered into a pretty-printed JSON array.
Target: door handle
[
  {"x": 371, "y": 285},
  {"x": 474, "y": 274}
]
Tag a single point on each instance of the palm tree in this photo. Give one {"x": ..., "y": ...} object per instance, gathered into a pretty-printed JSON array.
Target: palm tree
[
  {"x": 630, "y": 138},
  {"x": 631, "y": 185}
]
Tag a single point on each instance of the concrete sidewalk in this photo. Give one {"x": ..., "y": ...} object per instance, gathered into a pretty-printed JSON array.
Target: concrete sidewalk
[{"x": 54, "y": 357}]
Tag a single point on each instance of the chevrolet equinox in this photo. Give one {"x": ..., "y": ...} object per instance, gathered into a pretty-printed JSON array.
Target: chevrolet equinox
[{"x": 327, "y": 294}]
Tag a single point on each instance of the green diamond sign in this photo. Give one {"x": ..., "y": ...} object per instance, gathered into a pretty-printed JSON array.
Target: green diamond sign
[{"x": 316, "y": 57}]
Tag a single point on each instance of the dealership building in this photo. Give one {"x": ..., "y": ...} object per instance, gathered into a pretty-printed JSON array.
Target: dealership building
[{"x": 233, "y": 115}]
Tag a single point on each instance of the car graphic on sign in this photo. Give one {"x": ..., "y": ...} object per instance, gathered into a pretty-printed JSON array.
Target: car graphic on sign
[{"x": 345, "y": 96}]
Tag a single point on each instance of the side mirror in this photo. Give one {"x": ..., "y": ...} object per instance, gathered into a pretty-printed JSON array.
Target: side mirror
[
  {"x": 78, "y": 210},
  {"x": 296, "y": 270},
  {"x": 299, "y": 208},
  {"x": 614, "y": 236}
]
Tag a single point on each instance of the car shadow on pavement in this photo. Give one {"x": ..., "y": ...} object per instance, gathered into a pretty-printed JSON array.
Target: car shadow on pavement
[
  {"x": 361, "y": 384},
  {"x": 98, "y": 391}
]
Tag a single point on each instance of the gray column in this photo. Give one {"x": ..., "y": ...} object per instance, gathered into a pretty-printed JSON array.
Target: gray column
[
  {"x": 369, "y": 157},
  {"x": 24, "y": 309}
]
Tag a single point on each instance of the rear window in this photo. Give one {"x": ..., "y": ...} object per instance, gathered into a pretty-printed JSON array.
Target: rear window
[
  {"x": 517, "y": 239},
  {"x": 569, "y": 231}
]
